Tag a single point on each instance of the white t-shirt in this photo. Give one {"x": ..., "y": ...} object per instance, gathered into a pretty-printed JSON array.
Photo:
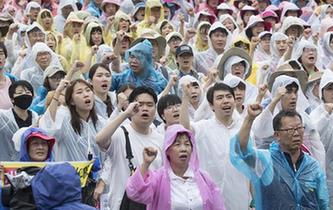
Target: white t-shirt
[
  {"x": 119, "y": 164},
  {"x": 213, "y": 144}
]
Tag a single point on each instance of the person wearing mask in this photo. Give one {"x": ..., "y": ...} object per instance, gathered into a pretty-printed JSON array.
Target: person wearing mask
[{"x": 21, "y": 94}]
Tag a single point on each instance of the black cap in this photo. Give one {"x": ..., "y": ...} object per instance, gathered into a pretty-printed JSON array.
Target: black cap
[{"x": 182, "y": 49}]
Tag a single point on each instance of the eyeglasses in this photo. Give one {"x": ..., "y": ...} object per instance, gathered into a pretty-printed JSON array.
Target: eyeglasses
[
  {"x": 291, "y": 131},
  {"x": 309, "y": 50}
]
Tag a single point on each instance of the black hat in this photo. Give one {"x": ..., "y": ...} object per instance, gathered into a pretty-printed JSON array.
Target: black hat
[{"x": 184, "y": 49}]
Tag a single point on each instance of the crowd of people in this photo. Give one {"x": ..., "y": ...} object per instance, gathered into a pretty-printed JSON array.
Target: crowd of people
[{"x": 185, "y": 104}]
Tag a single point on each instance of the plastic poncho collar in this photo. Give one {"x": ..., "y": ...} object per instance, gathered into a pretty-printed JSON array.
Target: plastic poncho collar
[
  {"x": 234, "y": 60},
  {"x": 326, "y": 79},
  {"x": 57, "y": 186},
  {"x": 87, "y": 33},
  {"x": 24, "y": 155},
  {"x": 284, "y": 80}
]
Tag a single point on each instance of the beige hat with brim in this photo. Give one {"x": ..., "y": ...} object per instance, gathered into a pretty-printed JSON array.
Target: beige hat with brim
[
  {"x": 152, "y": 35},
  {"x": 286, "y": 69},
  {"x": 315, "y": 77},
  {"x": 235, "y": 51},
  {"x": 52, "y": 70}
]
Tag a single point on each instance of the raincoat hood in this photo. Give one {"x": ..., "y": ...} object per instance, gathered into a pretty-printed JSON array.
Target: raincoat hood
[
  {"x": 143, "y": 52},
  {"x": 288, "y": 6},
  {"x": 170, "y": 136},
  {"x": 283, "y": 81},
  {"x": 219, "y": 26},
  {"x": 200, "y": 45},
  {"x": 117, "y": 18},
  {"x": 291, "y": 21},
  {"x": 39, "y": 17},
  {"x": 42, "y": 47},
  {"x": 326, "y": 79},
  {"x": 30, "y": 28},
  {"x": 159, "y": 26},
  {"x": 31, "y": 5},
  {"x": 325, "y": 25},
  {"x": 56, "y": 185},
  {"x": 243, "y": 40},
  {"x": 234, "y": 60},
  {"x": 105, "y": 2},
  {"x": 150, "y": 4},
  {"x": 328, "y": 51},
  {"x": 253, "y": 21},
  {"x": 248, "y": 8},
  {"x": 64, "y": 3},
  {"x": 185, "y": 80},
  {"x": 205, "y": 13},
  {"x": 224, "y": 6},
  {"x": 233, "y": 81},
  {"x": 297, "y": 53},
  {"x": 24, "y": 156},
  {"x": 227, "y": 16},
  {"x": 87, "y": 33},
  {"x": 277, "y": 36}
]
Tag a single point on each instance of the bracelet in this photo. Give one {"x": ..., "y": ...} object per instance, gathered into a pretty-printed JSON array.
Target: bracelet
[{"x": 54, "y": 98}]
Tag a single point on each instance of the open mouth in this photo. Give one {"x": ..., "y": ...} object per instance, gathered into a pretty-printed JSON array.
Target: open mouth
[
  {"x": 312, "y": 58},
  {"x": 104, "y": 86},
  {"x": 87, "y": 101},
  {"x": 194, "y": 97},
  {"x": 145, "y": 115},
  {"x": 226, "y": 108},
  {"x": 183, "y": 157},
  {"x": 176, "y": 115}
]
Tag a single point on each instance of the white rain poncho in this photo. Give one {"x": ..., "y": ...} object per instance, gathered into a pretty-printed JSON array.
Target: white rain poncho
[
  {"x": 8, "y": 128},
  {"x": 71, "y": 146},
  {"x": 205, "y": 60},
  {"x": 100, "y": 106},
  {"x": 323, "y": 122},
  {"x": 30, "y": 6},
  {"x": 59, "y": 20},
  {"x": 314, "y": 101},
  {"x": 34, "y": 75},
  {"x": 236, "y": 30},
  {"x": 289, "y": 7},
  {"x": 27, "y": 61},
  {"x": 251, "y": 90},
  {"x": 194, "y": 114},
  {"x": 263, "y": 127},
  {"x": 260, "y": 54},
  {"x": 315, "y": 20},
  {"x": 326, "y": 53}
]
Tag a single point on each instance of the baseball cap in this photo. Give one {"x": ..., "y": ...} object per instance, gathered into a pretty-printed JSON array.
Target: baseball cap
[{"x": 182, "y": 49}]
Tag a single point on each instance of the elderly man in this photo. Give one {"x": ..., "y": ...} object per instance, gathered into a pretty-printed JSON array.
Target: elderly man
[{"x": 284, "y": 176}]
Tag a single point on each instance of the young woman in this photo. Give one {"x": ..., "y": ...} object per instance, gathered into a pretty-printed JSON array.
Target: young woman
[
  {"x": 45, "y": 19},
  {"x": 76, "y": 125},
  {"x": 166, "y": 188},
  {"x": 100, "y": 78}
]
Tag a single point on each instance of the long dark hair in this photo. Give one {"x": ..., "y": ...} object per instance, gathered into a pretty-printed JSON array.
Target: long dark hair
[
  {"x": 92, "y": 71},
  {"x": 75, "y": 117}
]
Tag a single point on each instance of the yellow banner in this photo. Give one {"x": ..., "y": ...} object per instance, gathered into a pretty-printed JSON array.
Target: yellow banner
[{"x": 83, "y": 168}]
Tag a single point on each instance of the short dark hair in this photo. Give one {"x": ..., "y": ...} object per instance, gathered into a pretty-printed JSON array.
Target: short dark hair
[
  {"x": 292, "y": 85},
  {"x": 277, "y": 121},
  {"x": 23, "y": 83},
  {"x": 95, "y": 29},
  {"x": 165, "y": 101},
  {"x": 4, "y": 49},
  {"x": 141, "y": 90},
  {"x": 216, "y": 87}
]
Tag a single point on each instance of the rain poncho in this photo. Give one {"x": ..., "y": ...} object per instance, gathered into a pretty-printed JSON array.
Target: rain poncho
[
  {"x": 263, "y": 127},
  {"x": 288, "y": 6},
  {"x": 34, "y": 75},
  {"x": 144, "y": 24},
  {"x": 30, "y": 6},
  {"x": 27, "y": 61},
  {"x": 71, "y": 146},
  {"x": 57, "y": 187},
  {"x": 264, "y": 60},
  {"x": 200, "y": 45},
  {"x": 40, "y": 20},
  {"x": 8, "y": 128},
  {"x": 154, "y": 189},
  {"x": 100, "y": 106},
  {"x": 226, "y": 17},
  {"x": 277, "y": 186},
  {"x": 323, "y": 122},
  {"x": 24, "y": 155},
  {"x": 59, "y": 20},
  {"x": 93, "y": 9},
  {"x": 326, "y": 55},
  {"x": 149, "y": 77},
  {"x": 205, "y": 60}
]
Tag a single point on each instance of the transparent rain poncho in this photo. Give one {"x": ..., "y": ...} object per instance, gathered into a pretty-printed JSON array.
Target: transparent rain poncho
[
  {"x": 277, "y": 186},
  {"x": 323, "y": 122},
  {"x": 71, "y": 146},
  {"x": 8, "y": 128},
  {"x": 263, "y": 127}
]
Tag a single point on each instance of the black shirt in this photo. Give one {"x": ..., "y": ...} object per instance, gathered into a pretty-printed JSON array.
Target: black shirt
[
  {"x": 23, "y": 123},
  {"x": 298, "y": 162}
]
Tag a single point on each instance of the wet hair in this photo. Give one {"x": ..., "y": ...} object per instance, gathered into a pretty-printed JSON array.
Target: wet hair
[
  {"x": 75, "y": 117},
  {"x": 94, "y": 68},
  {"x": 165, "y": 101},
  {"x": 95, "y": 29},
  {"x": 142, "y": 90},
  {"x": 3, "y": 48},
  {"x": 277, "y": 121},
  {"x": 218, "y": 86},
  {"x": 23, "y": 83}
]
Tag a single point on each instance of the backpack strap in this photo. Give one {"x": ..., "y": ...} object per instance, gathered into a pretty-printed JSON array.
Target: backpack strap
[{"x": 129, "y": 154}]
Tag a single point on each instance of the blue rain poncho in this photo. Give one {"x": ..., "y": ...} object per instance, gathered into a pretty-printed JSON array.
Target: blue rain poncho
[
  {"x": 276, "y": 185},
  {"x": 148, "y": 77}
]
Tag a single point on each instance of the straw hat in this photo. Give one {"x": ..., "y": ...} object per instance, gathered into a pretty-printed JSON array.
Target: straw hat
[{"x": 152, "y": 35}]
